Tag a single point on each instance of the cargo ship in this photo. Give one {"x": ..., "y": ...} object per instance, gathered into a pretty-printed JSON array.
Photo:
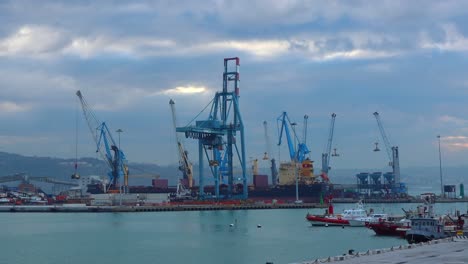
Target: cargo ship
[{"x": 282, "y": 187}]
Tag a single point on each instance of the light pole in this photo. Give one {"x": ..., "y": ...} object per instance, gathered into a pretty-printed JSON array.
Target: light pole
[
  {"x": 442, "y": 194},
  {"x": 293, "y": 125},
  {"x": 119, "y": 131}
]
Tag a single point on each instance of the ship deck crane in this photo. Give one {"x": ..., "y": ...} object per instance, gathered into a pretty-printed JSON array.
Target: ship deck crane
[
  {"x": 185, "y": 166},
  {"x": 297, "y": 155},
  {"x": 327, "y": 153},
  {"x": 106, "y": 147},
  {"x": 392, "y": 151}
]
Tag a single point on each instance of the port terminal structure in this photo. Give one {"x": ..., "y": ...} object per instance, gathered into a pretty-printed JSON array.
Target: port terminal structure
[
  {"x": 217, "y": 137},
  {"x": 378, "y": 183}
]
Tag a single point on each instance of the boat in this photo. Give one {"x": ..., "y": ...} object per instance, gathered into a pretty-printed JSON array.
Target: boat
[
  {"x": 425, "y": 226},
  {"x": 329, "y": 219},
  {"x": 425, "y": 229},
  {"x": 372, "y": 218},
  {"x": 390, "y": 227}
]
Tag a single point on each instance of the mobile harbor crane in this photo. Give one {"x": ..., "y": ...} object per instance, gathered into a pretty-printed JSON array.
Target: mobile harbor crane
[
  {"x": 296, "y": 154},
  {"x": 326, "y": 155},
  {"x": 107, "y": 148},
  {"x": 394, "y": 159},
  {"x": 185, "y": 166}
]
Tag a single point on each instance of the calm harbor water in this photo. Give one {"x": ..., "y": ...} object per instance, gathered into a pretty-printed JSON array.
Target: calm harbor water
[{"x": 185, "y": 237}]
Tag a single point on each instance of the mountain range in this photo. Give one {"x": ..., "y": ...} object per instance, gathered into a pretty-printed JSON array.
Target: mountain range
[{"x": 416, "y": 178}]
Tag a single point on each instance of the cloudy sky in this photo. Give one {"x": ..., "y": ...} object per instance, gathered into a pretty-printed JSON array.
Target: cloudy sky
[{"x": 408, "y": 60}]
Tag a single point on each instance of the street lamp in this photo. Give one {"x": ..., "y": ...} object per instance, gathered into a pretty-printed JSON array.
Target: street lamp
[
  {"x": 119, "y": 131},
  {"x": 442, "y": 194}
]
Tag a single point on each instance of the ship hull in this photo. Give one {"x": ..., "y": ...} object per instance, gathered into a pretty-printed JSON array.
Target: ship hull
[
  {"x": 388, "y": 229},
  {"x": 307, "y": 193},
  {"x": 326, "y": 221}
]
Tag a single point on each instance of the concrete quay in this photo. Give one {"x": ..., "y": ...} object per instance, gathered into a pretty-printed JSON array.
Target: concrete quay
[
  {"x": 453, "y": 250},
  {"x": 82, "y": 208},
  {"x": 398, "y": 200}
]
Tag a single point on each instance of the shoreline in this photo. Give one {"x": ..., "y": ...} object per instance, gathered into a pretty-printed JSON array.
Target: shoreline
[{"x": 81, "y": 208}]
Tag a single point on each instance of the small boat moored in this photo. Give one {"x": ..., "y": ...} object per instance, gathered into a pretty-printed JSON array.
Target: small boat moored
[
  {"x": 330, "y": 219},
  {"x": 425, "y": 226}
]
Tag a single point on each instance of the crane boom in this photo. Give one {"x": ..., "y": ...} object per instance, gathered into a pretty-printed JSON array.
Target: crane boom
[
  {"x": 285, "y": 122},
  {"x": 302, "y": 150},
  {"x": 304, "y": 134},
  {"x": 384, "y": 136},
  {"x": 327, "y": 152},
  {"x": 110, "y": 152},
  {"x": 267, "y": 141},
  {"x": 185, "y": 166},
  {"x": 392, "y": 152}
]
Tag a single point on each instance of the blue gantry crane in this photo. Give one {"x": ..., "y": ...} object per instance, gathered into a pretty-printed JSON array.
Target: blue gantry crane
[
  {"x": 107, "y": 148},
  {"x": 218, "y": 135},
  {"x": 296, "y": 154}
]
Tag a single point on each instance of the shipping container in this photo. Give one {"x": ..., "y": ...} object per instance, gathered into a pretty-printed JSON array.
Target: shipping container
[
  {"x": 161, "y": 183},
  {"x": 260, "y": 181}
]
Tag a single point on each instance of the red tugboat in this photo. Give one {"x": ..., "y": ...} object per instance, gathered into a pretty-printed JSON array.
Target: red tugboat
[
  {"x": 390, "y": 228},
  {"x": 329, "y": 219}
]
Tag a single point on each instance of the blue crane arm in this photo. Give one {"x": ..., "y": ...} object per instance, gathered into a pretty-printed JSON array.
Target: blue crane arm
[
  {"x": 302, "y": 151},
  {"x": 284, "y": 126},
  {"x": 103, "y": 138}
]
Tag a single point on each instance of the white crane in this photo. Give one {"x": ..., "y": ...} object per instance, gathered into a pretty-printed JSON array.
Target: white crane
[
  {"x": 326, "y": 155},
  {"x": 184, "y": 163}
]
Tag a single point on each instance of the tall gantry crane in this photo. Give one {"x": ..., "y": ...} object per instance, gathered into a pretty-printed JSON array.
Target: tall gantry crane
[
  {"x": 296, "y": 154},
  {"x": 106, "y": 147},
  {"x": 392, "y": 151},
  {"x": 326, "y": 155},
  {"x": 185, "y": 166},
  {"x": 217, "y": 135}
]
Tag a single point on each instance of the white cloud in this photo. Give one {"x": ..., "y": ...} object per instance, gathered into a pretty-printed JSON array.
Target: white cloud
[
  {"x": 185, "y": 90},
  {"x": 454, "y": 143},
  {"x": 453, "y": 120},
  {"x": 135, "y": 47},
  {"x": 12, "y": 107},
  {"x": 43, "y": 41},
  {"x": 454, "y": 40},
  {"x": 355, "y": 54},
  {"x": 258, "y": 48},
  {"x": 31, "y": 40},
  {"x": 454, "y": 137}
]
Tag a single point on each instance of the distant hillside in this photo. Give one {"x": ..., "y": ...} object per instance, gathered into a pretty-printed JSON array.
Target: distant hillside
[
  {"x": 63, "y": 168},
  {"x": 417, "y": 178}
]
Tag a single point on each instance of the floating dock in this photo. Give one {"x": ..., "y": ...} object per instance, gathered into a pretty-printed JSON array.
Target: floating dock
[
  {"x": 448, "y": 250},
  {"x": 82, "y": 208}
]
